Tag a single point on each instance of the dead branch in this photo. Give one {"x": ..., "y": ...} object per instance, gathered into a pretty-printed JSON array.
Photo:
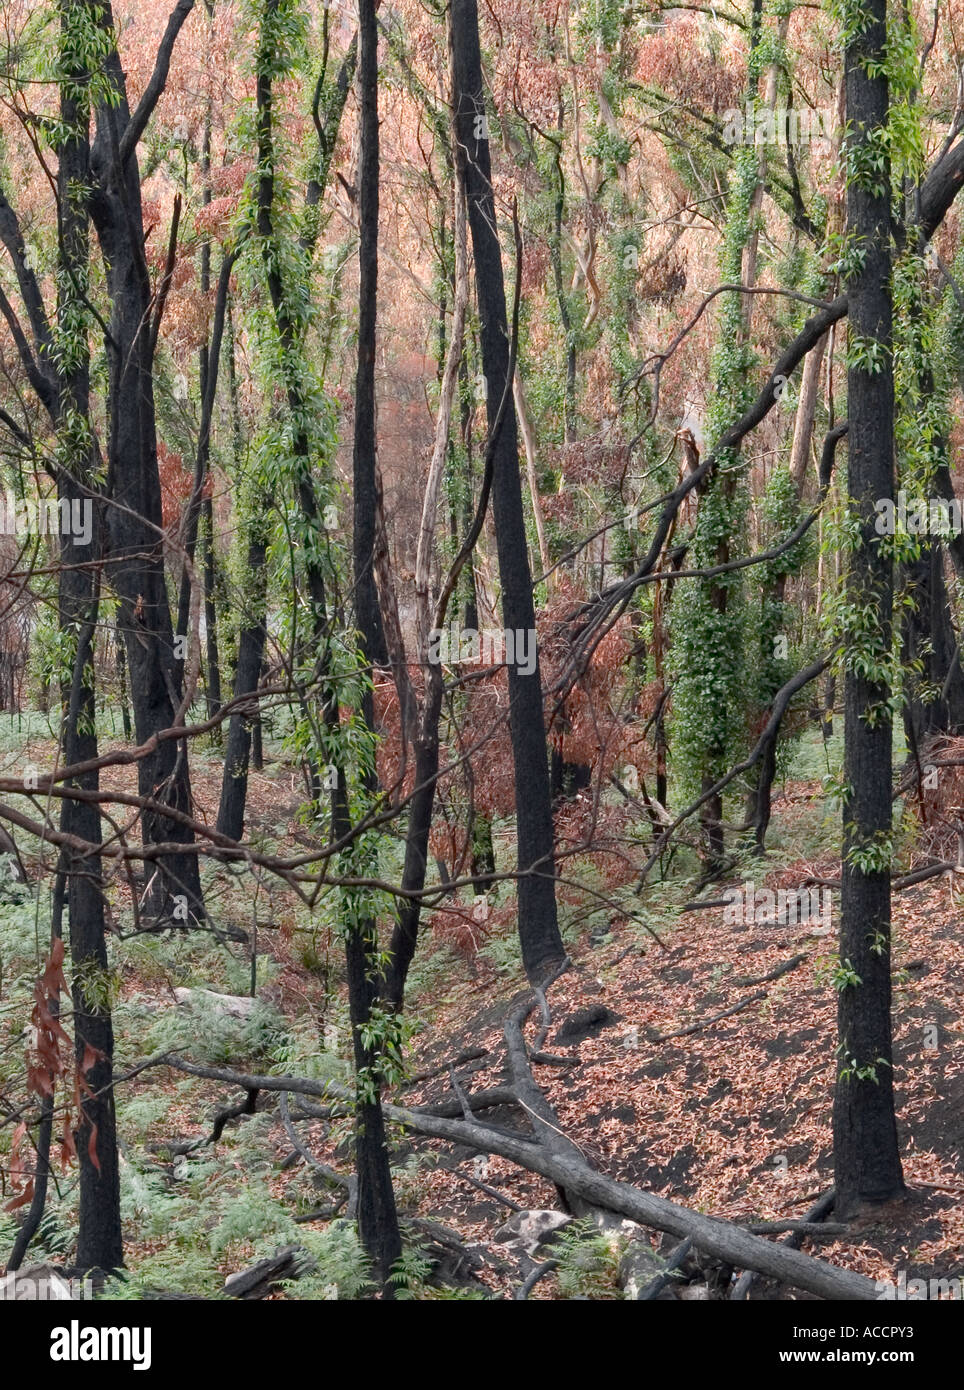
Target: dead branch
[
  {"x": 746, "y": 981},
  {"x": 573, "y": 1174},
  {"x": 714, "y": 1018},
  {"x": 821, "y": 1208}
]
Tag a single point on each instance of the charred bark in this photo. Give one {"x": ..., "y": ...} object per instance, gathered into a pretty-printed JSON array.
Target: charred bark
[
  {"x": 866, "y": 1157},
  {"x": 377, "y": 1216},
  {"x": 134, "y": 528},
  {"x": 542, "y": 947}
]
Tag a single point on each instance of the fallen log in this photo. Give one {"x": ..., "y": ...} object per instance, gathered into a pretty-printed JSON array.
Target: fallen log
[
  {"x": 821, "y": 1208},
  {"x": 259, "y": 1279},
  {"x": 726, "y": 1241},
  {"x": 714, "y": 1236}
]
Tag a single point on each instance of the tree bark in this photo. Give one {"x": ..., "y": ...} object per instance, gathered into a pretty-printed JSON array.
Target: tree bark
[
  {"x": 251, "y": 640},
  {"x": 99, "y": 1237},
  {"x": 377, "y": 1217},
  {"x": 542, "y": 947},
  {"x": 866, "y": 1157},
  {"x": 135, "y": 564}
]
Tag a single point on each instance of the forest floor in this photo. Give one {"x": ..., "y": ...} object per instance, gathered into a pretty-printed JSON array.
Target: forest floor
[
  {"x": 735, "y": 1119},
  {"x": 732, "y": 1119}
]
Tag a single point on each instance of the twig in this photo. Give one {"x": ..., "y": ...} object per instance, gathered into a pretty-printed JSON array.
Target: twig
[
  {"x": 773, "y": 974},
  {"x": 714, "y": 1018}
]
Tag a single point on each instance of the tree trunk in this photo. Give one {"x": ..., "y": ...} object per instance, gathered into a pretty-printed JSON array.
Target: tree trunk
[
  {"x": 542, "y": 946},
  {"x": 866, "y": 1157},
  {"x": 99, "y": 1238},
  {"x": 377, "y": 1217},
  {"x": 251, "y": 639},
  {"x": 209, "y": 562},
  {"x": 806, "y": 414},
  {"x": 929, "y": 638},
  {"x": 208, "y": 558},
  {"x": 135, "y": 564},
  {"x": 928, "y": 635}
]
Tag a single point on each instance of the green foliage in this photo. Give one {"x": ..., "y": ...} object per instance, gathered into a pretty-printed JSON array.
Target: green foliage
[
  {"x": 384, "y": 1034},
  {"x": 866, "y": 354},
  {"x": 850, "y": 1069},
  {"x": 207, "y": 1033},
  {"x": 218, "y": 1213},
  {"x": 709, "y": 616},
  {"x": 588, "y": 1263},
  {"x": 337, "y": 1266},
  {"x": 871, "y": 855},
  {"x": 845, "y": 977}
]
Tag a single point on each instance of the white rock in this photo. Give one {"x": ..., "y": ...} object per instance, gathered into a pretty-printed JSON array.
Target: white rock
[
  {"x": 527, "y": 1230},
  {"x": 233, "y": 1005}
]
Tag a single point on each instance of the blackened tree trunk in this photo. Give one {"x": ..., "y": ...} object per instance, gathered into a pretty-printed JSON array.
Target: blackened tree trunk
[
  {"x": 257, "y": 734},
  {"x": 405, "y": 935},
  {"x": 244, "y": 725},
  {"x": 930, "y": 651},
  {"x": 210, "y": 569},
  {"x": 209, "y": 557},
  {"x": 377, "y": 1216},
  {"x": 199, "y": 508},
  {"x": 367, "y": 612},
  {"x": 866, "y": 1157},
  {"x": 122, "y": 682},
  {"x": 542, "y": 947},
  {"x": 99, "y": 1239},
  {"x": 929, "y": 639},
  {"x": 562, "y": 299},
  {"x": 135, "y": 565},
  {"x": 251, "y": 640}
]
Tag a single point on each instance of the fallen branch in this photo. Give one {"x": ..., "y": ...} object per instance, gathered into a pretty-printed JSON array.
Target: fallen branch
[
  {"x": 532, "y": 1278},
  {"x": 714, "y": 1018},
  {"x": 324, "y": 1170},
  {"x": 258, "y": 1280},
  {"x": 573, "y": 1174},
  {"x": 492, "y": 1192},
  {"x": 476, "y": 1100},
  {"x": 323, "y": 1213},
  {"x": 656, "y": 1286},
  {"x": 471, "y": 1054},
  {"x": 821, "y": 1208},
  {"x": 745, "y": 981}
]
